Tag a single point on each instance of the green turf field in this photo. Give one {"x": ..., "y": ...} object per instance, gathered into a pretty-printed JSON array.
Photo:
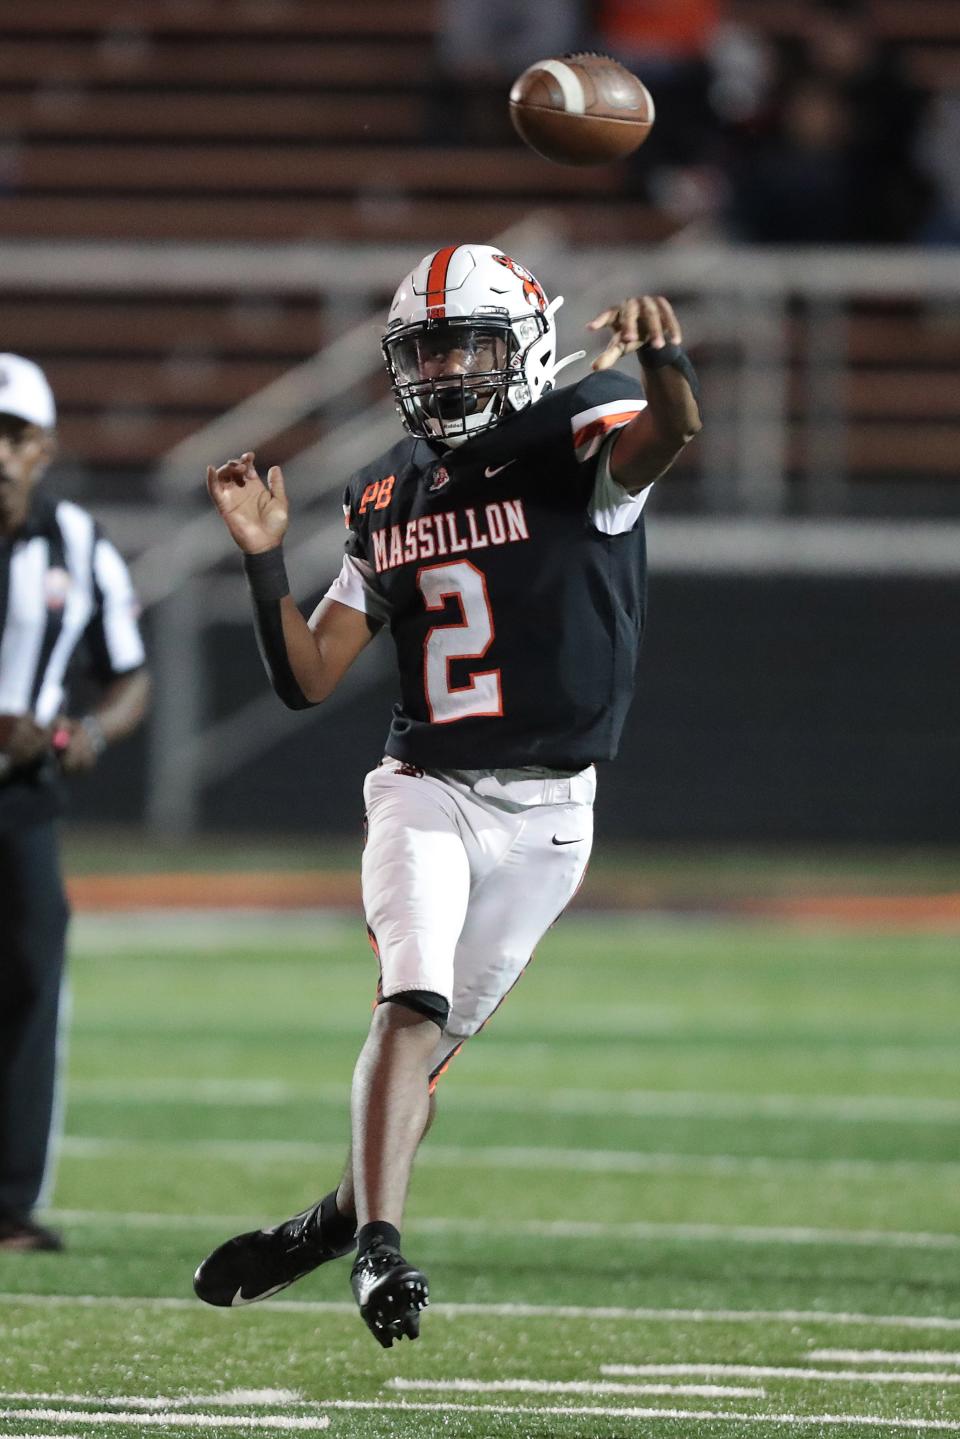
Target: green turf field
[{"x": 698, "y": 1178}]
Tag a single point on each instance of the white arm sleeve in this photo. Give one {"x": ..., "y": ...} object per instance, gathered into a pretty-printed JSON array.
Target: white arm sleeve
[
  {"x": 356, "y": 586},
  {"x": 612, "y": 509}
]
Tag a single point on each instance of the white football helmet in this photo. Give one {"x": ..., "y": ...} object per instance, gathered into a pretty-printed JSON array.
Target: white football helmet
[{"x": 469, "y": 337}]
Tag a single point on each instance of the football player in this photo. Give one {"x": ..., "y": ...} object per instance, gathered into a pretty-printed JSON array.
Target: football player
[{"x": 501, "y": 542}]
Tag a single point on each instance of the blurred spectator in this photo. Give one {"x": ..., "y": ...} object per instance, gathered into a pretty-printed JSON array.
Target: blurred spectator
[
  {"x": 482, "y": 45},
  {"x": 667, "y": 38},
  {"x": 890, "y": 195},
  {"x": 816, "y": 140},
  {"x": 667, "y": 45},
  {"x": 836, "y": 162},
  {"x": 744, "y": 67},
  {"x": 939, "y": 153},
  {"x": 795, "y": 185}
]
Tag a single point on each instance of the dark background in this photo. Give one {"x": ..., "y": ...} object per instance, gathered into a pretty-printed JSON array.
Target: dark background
[{"x": 767, "y": 709}]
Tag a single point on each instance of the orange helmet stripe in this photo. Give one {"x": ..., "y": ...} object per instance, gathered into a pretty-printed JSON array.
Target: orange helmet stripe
[{"x": 437, "y": 282}]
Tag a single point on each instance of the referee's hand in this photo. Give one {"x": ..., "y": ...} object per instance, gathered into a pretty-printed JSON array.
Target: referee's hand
[
  {"x": 22, "y": 740},
  {"x": 76, "y": 750},
  {"x": 255, "y": 513}
]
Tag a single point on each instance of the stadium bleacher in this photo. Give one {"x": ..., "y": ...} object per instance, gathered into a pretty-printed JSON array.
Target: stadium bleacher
[{"x": 203, "y": 122}]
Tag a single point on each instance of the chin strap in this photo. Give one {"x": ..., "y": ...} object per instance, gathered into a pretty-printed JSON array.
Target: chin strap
[
  {"x": 548, "y": 314},
  {"x": 568, "y": 360}
]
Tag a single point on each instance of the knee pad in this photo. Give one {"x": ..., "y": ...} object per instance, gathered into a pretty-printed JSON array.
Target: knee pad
[{"x": 422, "y": 1001}]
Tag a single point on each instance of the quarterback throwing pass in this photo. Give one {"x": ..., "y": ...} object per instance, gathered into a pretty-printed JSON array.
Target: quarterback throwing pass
[{"x": 501, "y": 543}]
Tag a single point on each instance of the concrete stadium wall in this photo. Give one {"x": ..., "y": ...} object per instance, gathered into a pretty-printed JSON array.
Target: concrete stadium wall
[{"x": 767, "y": 709}]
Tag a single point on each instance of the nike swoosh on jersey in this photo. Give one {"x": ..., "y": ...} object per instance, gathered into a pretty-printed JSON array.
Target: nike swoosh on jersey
[
  {"x": 492, "y": 470},
  {"x": 578, "y": 840}
]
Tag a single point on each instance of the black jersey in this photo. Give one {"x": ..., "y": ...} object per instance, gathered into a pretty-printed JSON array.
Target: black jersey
[{"x": 516, "y": 619}]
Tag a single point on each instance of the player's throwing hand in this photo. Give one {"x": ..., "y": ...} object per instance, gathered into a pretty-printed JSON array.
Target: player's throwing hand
[
  {"x": 641, "y": 320},
  {"x": 256, "y": 514}
]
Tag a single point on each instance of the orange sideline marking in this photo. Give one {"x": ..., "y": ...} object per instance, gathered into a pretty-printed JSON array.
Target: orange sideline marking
[{"x": 340, "y": 889}]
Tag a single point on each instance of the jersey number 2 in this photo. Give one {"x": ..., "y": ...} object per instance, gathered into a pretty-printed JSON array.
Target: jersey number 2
[{"x": 468, "y": 640}]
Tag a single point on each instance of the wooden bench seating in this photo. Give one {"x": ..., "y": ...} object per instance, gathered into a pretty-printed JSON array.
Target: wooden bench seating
[
  {"x": 298, "y": 119},
  {"x": 932, "y": 337},
  {"x": 903, "y": 394},
  {"x": 130, "y": 440},
  {"x": 193, "y": 115},
  {"x": 263, "y": 17},
  {"x": 379, "y": 219},
  {"x": 126, "y": 60},
  {"x": 185, "y": 381},
  {"x": 305, "y": 169},
  {"x": 151, "y": 325}
]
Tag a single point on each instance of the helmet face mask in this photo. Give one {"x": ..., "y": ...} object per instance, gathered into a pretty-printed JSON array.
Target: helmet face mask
[
  {"x": 470, "y": 337},
  {"x": 448, "y": 372}
]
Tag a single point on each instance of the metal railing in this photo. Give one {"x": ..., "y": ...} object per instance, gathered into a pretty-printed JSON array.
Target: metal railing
[{"x": 739, "y": 309}]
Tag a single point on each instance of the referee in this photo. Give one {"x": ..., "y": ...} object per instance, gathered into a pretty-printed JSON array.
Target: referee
[{"x": 63, "y": 589}]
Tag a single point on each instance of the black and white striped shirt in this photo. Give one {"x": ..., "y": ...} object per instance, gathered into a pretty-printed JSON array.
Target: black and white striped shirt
[{"x": 62, "y": 585}]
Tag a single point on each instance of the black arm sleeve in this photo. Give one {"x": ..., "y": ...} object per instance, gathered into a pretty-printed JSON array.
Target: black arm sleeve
[{"x": 267, "y": 577}]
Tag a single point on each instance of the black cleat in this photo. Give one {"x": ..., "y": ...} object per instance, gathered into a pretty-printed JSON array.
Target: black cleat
[
  {"x": 253, "y": 1266},
  {"x": 21, "y": 1234},
  {"x": 391, "y": 1294}
]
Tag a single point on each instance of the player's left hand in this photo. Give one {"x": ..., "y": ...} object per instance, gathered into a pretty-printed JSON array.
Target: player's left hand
[
  {"x": 641, "y": 320},
  {"x": 256, "y": 514}
]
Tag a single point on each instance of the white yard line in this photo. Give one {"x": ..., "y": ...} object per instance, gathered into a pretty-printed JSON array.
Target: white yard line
[
  {"x": 171, "y": 1419},
  {"x": 733, "y": 1233},
  {"x": 587, "y": 1161},
  {"x": 641, "y": 1230},
  {"x": 782, "y": 1371},
  {"x": 888, "y": 1356},
  {"x": 175, "y": 931},
  {"x": 230, "y": 1398},
  {"x": 310, "y": 1423},
  {"x": 512, "y": 1311},
  {"x": 572, "y": 1386},
  {"x": 618, "y": 1412},
  {"x": 235, "y": 1092},
  {"x": 594, "y": 1102},
  {"x": 140, "y": 1219}
]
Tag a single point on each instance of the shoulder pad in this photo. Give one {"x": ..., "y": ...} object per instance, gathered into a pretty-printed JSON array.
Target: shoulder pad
[
  {"x": 602, "y": 402},
  {"x": 600, "y": 387}
]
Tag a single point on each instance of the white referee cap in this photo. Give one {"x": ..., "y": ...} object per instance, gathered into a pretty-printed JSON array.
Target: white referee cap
[{"x": 24, "y": 392}]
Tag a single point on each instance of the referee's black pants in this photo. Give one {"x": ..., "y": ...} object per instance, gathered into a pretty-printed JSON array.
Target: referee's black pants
[{"x": 33, "y": 929}]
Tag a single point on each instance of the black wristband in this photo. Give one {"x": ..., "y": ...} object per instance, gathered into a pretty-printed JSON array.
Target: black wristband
[
  {"x": 267, "y": 574},
  {"x": 658, "y": 359},
  {"x": 675, "y": 357},
  {"x": 267, "y": 577}
]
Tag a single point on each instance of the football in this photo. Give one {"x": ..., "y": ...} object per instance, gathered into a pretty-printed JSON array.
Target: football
[{"x": 582, "y": 109}]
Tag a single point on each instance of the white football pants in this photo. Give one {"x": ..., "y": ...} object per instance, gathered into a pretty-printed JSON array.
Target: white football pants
[{"x": 463, "y": 874}]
